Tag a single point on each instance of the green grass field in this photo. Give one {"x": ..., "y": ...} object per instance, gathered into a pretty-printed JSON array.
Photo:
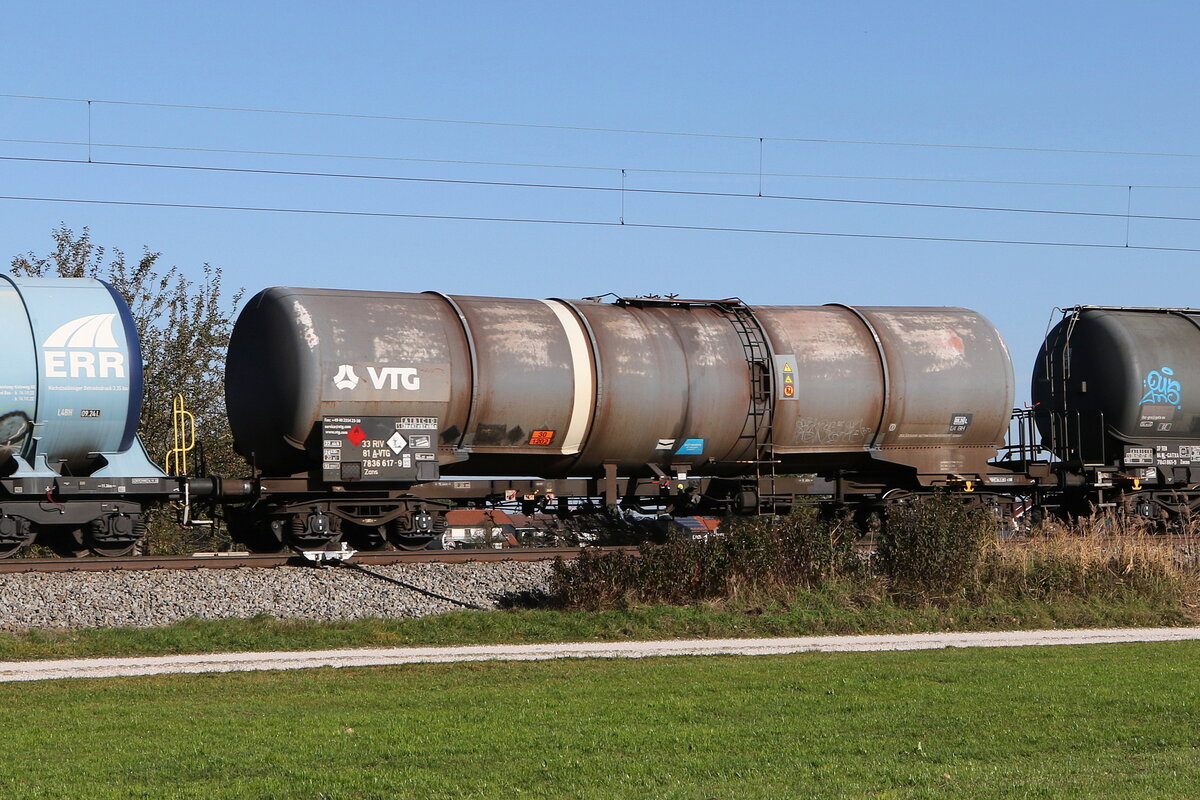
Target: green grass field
[
  {"x": 827, "y": 611},
  {"x": 1101, "y": 721}
]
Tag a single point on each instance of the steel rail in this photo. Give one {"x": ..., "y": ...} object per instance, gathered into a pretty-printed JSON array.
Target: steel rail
[{"x": 234, "y": 560}]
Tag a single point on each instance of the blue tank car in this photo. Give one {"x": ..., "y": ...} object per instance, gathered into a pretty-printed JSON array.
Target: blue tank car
[{"x": 70, "y": 399}]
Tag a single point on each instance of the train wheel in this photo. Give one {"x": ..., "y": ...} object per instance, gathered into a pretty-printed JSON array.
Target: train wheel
[
  {"x": 8, "y": 548},
  {"x": 112, "y": 550},
  {"x": 412, "y": 542},
  {"x": 114, "y": 537},
  {"x": 427, "y": 528},
  {"x": 15, "y": 533},
  {"x": 312, "y": 531}
]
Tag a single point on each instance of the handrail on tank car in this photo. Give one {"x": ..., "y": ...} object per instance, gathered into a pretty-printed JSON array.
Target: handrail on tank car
[
  {"x": 669, "y": 300},
  {"x": 1066, "y": 439},
  {"x": 1027, "y": 446},
  {"x": 1077, "y": 309}
]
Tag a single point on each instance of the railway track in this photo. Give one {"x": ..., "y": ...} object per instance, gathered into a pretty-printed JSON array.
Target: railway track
[{"x": 235, "y": 560}]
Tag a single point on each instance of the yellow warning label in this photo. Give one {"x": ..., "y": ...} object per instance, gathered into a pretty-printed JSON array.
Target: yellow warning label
[{"x": 785, "y": 372}]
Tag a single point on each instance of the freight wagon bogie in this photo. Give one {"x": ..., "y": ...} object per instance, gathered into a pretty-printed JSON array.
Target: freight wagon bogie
[
  {"x": 1172, "y": 510},
  {"x": 363, "y": 523},
  {"x": 104, "y": 529},
  {"x": 1165, "y": 510}
]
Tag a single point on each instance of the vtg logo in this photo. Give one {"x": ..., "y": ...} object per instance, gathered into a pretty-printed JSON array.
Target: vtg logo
[
  {"x": 394, "y": 378},
  {"x": 345, "y": 378},
  {"x": 84, "y": 348}
]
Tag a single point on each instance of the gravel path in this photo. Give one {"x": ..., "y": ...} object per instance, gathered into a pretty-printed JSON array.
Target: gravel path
[
  {"x": 245, "y": 662},
  {"x": 162, "y": 597}
]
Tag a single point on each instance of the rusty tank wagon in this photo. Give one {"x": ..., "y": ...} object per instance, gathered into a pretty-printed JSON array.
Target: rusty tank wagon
[{"x": 362, "y": 410}]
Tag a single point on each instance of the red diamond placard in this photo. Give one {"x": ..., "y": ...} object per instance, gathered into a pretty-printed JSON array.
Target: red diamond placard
[{"x": 356, "y": 435}]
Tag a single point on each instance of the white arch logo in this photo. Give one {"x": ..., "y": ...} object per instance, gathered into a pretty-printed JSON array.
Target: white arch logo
[
  {"x": 84, "y": 348},
  {"x": 345, "y": 378},
  {"x": 93, "y": 331}
]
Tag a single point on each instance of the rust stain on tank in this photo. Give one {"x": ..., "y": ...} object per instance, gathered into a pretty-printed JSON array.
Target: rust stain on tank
[
  {"x": 835, "y": 339},
  {"x": 524, "y": 334},
  {"x": 939, "y": 340},
  {"x": 831, "y": 347},
  {"x": 305, "y": 322},
  {"x": 407, "y": 343},
  {"x": 626, "y": 326},
  {"x": 942, "y": 349},
  {"x": 707, "y": 342},
  {"x": 632, "y": 336}
]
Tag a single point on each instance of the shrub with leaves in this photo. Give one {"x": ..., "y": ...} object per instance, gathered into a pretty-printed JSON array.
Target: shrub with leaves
[
  {"x": 939, "y": 550},
  {"x": 753, "y": 559},
  {"x": 931, "y": 547}
]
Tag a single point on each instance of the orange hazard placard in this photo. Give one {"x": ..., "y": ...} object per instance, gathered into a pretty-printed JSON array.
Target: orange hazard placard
[{"x": 541, "y": 438}]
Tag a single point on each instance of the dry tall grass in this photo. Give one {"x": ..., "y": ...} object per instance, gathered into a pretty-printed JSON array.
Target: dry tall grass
[
  {"x": 934, "y": 552},
  {"x": 1103, "y": 556}
]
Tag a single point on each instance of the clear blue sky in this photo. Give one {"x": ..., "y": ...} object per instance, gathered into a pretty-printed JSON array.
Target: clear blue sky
[{"x": 1046, "y": 76}]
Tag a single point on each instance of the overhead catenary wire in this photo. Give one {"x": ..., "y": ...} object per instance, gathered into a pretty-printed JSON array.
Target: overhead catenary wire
[
  {"x": 597, "y": 167},
  {"x": 622, "y": 189},
  {"x": 594, "y": 129},
  {"x": 624, "y": 171},
  {"x": 600, "y": 223}
]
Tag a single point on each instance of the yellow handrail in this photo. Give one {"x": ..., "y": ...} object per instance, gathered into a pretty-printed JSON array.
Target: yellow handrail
[{"x": 183, "y": 424}]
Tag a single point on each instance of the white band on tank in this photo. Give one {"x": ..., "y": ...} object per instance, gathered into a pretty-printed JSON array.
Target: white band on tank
[{"x": 585, "y": 381}]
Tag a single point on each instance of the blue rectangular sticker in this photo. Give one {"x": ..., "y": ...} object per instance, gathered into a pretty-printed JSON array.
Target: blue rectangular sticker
[{"x": 691, "y": 447}]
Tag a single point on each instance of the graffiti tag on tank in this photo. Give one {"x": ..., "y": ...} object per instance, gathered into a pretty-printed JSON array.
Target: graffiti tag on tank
[
  {"x": 1162, "y": 399},
  {"x": 815, "y": 431},
  {"x": 1162, "y": 388}
]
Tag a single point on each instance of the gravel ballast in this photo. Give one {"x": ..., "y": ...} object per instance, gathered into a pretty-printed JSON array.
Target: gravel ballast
[{"x": 161, "y": 597}]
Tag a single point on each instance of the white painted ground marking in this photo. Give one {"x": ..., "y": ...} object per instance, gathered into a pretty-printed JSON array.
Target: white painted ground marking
[{"x": 246, "y": 662}]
